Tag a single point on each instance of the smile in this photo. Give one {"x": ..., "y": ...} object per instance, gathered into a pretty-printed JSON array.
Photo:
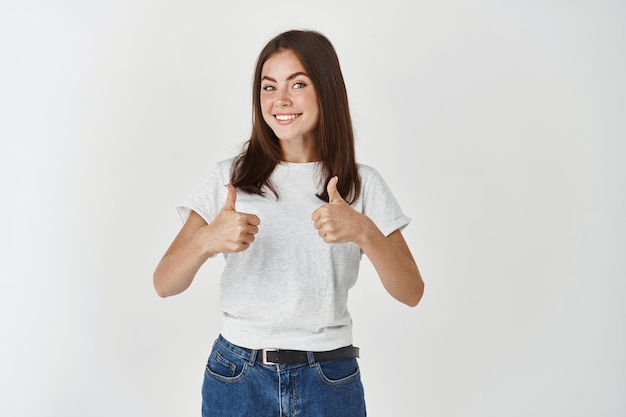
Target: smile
[{"x": 285, "y": 117}]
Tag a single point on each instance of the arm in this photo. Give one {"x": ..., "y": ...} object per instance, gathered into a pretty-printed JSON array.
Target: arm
[
  {"x": 337, "y": 222},
  {"x": 197, "y": 241},
  {"x": 394, "y": 263}
]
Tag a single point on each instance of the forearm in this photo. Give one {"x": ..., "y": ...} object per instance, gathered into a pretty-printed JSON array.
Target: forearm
[
  {"x": 393, "y": 262},
  {"x": 177, "y": 269},
  {"x": 197, "y": 241}
]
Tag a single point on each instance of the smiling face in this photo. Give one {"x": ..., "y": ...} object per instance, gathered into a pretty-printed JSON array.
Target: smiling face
[{"x": 289, "y": 105}]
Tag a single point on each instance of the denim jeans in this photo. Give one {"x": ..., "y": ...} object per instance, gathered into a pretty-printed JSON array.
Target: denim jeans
[{"x": 237, "y": 385}]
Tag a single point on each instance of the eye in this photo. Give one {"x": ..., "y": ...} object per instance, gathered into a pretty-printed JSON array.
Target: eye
[
  {"x": 299, "y": 85},
  {"x": 268, "y": 88}
]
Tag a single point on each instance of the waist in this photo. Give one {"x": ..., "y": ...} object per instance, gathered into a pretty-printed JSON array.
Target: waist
[
  {"x": 271, "y": 356},
  {"x": 298, "y": 336}
]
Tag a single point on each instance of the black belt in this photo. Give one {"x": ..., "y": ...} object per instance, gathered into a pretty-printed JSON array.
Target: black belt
[{"x": 273, "y": 356}]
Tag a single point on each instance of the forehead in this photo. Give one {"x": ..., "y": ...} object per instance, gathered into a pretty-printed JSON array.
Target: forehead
[{"x": 283, "y": 63}]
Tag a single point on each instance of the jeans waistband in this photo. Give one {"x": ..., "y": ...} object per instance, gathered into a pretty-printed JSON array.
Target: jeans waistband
[{"x": 271, "y": 356}]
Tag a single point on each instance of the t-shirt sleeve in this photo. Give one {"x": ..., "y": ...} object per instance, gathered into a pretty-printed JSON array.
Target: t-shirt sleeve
[
  {"x": 380, "y": 205},
  {"x": 208, "y": 197}
]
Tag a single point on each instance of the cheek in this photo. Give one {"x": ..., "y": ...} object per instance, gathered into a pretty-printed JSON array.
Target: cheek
[
  {"x": 266, "y": 110},
  {"x": 313, "y": 105},
  {"x": 315, "y": 111}
]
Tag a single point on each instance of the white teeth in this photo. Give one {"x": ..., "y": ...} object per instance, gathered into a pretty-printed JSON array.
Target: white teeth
[{"x": 284, "y": 117}]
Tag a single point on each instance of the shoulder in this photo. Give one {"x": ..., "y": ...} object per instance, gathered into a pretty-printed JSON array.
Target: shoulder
[
  {"x": 225, "y": 165},
  {"x": 366, "y": 170},
  {"x": 218, "y": 173},
  {"x": 372, "y": 181},
  {"x": 220, "y": 170},
  {"x": 367, "y": 173}
]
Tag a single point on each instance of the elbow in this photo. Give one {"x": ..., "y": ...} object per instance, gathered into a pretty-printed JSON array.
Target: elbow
[
  {"x": 166, "y": 285},
  {"x": 413, "y": 302},
  {"x": 416, "y": 296},
  {"x": 160, "y": 289},
  {"x": 161, "y": 293}
]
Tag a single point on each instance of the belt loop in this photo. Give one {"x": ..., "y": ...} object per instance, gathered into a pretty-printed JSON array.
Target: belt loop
[
  {"x": 253, "y": 356},
  {"x": 311, "y": 358}
]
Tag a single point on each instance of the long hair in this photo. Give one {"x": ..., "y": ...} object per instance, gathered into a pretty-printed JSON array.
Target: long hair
[{"x": 335, "y": 137}]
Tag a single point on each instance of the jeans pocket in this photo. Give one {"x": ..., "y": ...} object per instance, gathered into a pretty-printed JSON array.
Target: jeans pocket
[
  {"x": 338, "y": 371},
  {"x": 225, "y": 366}
]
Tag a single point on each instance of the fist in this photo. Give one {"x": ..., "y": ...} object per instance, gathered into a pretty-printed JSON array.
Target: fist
[
  {"x": 232, "y": 231},
  {"x": 337, "y": 222}
]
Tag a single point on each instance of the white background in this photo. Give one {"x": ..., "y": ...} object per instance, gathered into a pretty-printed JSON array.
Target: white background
[{"x": 499, "y": 125}]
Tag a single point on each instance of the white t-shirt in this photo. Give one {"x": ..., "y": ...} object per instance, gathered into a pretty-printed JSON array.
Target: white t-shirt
[{"x": 289, "y": 289}]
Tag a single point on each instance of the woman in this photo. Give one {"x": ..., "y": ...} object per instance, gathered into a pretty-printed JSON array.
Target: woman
[{"x": 292, "y": 214}]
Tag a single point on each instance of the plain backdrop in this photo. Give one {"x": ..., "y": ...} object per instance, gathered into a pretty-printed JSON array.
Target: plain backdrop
[{"x": 499, "y": 125}]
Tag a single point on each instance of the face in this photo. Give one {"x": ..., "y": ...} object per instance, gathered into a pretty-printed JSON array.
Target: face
[{"x": 289, "y": 100}]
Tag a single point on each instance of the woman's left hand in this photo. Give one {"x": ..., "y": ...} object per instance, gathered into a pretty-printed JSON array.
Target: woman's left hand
[{"x": 337, "y": 222}]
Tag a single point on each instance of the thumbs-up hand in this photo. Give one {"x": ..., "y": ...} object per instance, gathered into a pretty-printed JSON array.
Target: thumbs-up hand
[
  {"x": 231, "y": 198},
  {"x": 333, "y": 193},
  {"x": 337, "y": 222},
  {"x": 232, "y": 231}
]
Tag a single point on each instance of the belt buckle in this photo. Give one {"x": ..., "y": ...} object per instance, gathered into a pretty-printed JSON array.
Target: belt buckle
[{"x": 264, "y": 356}]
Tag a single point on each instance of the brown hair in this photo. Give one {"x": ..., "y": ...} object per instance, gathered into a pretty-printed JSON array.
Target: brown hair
[{"x": 335, "y": 137}]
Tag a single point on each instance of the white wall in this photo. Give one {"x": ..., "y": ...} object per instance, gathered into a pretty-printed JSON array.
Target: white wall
[{"x": 500, "y": 126}]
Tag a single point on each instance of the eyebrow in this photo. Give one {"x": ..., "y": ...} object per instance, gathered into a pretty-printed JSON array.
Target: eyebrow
[{"x": 291, "y": 77}]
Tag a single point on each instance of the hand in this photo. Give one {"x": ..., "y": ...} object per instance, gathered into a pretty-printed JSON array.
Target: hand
[
  {"x": 230, "y": 231},
  {"x": 337, "y": 222}
]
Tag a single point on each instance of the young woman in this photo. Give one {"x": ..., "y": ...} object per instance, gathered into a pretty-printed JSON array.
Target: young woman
[{"x": 292, "y": 215}]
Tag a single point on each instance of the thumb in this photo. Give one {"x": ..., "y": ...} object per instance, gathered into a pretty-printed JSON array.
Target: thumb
[
  {"x": 333, "y": 194},
  {"x": 231, "y": 199}
]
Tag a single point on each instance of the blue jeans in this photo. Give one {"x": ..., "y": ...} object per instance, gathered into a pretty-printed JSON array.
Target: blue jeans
[{"x": 238, "y": 385}]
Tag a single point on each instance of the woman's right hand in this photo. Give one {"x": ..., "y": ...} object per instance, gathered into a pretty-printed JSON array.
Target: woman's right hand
[
  {"x": 230, "y": 231},
  {"x": 197, "y": 241}
]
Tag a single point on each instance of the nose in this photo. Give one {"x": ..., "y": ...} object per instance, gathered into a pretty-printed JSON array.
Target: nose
[{"x": 282, "y": 99}]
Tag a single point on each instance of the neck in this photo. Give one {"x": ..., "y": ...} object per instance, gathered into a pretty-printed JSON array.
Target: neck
[{"x": 298, "y": 151}]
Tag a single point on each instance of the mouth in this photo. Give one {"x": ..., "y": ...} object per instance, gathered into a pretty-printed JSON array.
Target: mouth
[{"x": 286, "y": 117}]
